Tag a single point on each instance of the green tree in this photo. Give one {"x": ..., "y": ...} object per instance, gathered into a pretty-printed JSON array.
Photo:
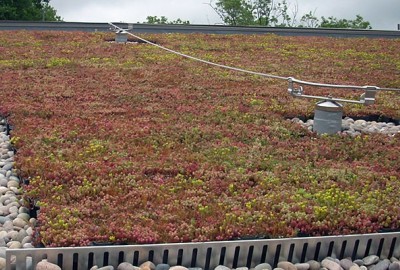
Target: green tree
[
  {"x": 27, "y": 10},
  {"x": 263, "y": 12},
  {"x": 309, "y": 20},
  {"x": 357, "y": 23},
  {"x": 275, "y": 13},
  {"x": 163, "y": 20},
  {"x": 234, "y": 12},
  {"x": 253, "y": 12}
]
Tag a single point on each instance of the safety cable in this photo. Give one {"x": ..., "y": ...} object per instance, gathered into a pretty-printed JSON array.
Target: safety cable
[{"x": 290, "y": 79}]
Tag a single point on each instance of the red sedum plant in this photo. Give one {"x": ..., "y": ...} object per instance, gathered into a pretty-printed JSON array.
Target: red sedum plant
[{"x": 124, "y": 143}]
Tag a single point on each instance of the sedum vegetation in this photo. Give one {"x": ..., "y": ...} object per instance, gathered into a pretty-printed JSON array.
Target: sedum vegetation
[{"x": 125, "y": 143}]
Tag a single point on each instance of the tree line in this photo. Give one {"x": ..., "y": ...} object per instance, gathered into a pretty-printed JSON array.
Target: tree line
[
  {"x": 278, "y": 14},
  {"x": 232, "y": 12},
  {"x": 27, "y": 10}
]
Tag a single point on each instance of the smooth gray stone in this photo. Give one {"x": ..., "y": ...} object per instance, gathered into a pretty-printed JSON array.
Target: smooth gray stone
[
  {"x": 3, "y": 219},
  {"x": 2, "y": 263},
  {"x": 263, "y": 266},
  {"x": 108, "y": 267},
  {"x": 7, "y": 166},
  {"x": 45, "y": 265},
  {"x": 26, "y": 240},
  {"x": 371, "y": 259},
  {"x": 221, "y": 267},
  {"x": 8, "y": 225},
  {"x": 314, "y": 265},
  {"x": 382, "y": 265},
  {"x": 355, "y": 267},
  {"x": 330, "y": 264},
  {"x": 3, "y": 181},
  {"x": 24, "y": 216},
  {"x": 302, "y": 266},
  {"x": 346, "y": 264},
  {"x": 126, "y": 266},
  {"x": 13, "y": 235},
  {"x": 23, "y": 209},
  {"x": 163, "y": 266},
  {"x": 19, "y": 222},
  {"x": 148, "y": 264},
  {"x": 21, "y": 235},
  {"x": 394, "y": 266},
  {"x": 3, "y": 243},
  {"x": 286, "y": 265},
  {"x": 27, "y": 245},
  {"x": 14, "y": 245}
]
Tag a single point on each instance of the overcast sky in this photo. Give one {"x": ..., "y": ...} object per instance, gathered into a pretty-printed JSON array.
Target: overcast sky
[{"x": 382, "y": 14}]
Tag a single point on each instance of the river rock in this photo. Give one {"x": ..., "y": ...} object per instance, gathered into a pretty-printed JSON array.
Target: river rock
[
  {"x": 3, "y": 181},
  {"x": 163, "y": 266},
  {"x": 45, "y": 265},
  {"x": 108, "y": 267},
  {"x": 222, "y": 267},
  {"x": 28, "y": 245},
  {"x": 263, "y": 266},
  {"x": 24, "y": 216},
  {"x": 382, "y": 265},
  {"x": 355, "y": 267},
  {"x": 286, "y": 265},
  {"x": 314, "y": 265},
  {"x": 126, "y": 266},
  {"x": 371, "y": 259},
  {"x": 346, "y": 263},
  {"x": 13, "y": 209},
  {"x": 3, "y": 190},
  {"x": 302, "y": 266},
  {"x": 8, "y": 225},
  {"x": 3, "y": 219},
  {"x": 2, "y": 263},
  {"x": 178, "y": 267},
  {"x": 14, "y": 245},
  {"x": 7, "y": 166},
  {"x": 3, "y": 242},
  {"x": 359, "y": 262},
  {"x": 26, "y": 240},
  {"x": 330, "y": 264},
  {"x": 21, "y": 235},
  {"x": 12, "y": 235},
  {"x": 12, "y": 184},
  {"x": 19, "y": 222},
  {"x": 147, "y": 266},
  {"x": 394, "y": 265}
]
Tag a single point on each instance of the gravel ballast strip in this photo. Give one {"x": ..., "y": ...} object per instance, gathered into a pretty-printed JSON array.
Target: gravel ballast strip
[
  {"x": 357, "y": 127},
  {"x": 370, "y": 262},
  {"x": 15, "y": 222}
]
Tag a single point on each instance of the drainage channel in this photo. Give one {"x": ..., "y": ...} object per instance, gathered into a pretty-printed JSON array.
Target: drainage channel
[{"x": 365, "y": 250}]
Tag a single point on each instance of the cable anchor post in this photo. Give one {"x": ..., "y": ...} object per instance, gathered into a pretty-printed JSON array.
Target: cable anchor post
[
  {"x": 368, "y": 97},
  {"x": 296, "y": 92}
]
